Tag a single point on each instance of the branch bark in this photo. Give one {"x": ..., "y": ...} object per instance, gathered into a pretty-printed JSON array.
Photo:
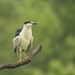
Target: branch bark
[{"x": 15, "y": 65}]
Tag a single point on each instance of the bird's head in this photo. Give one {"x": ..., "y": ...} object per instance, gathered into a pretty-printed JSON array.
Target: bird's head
[{"x": 29, "y": 23}]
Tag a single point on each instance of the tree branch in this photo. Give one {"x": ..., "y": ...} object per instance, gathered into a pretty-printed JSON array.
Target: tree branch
[{"x": 15, "y": 65}]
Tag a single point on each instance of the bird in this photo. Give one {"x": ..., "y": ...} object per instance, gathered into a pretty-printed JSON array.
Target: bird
[{"x": 23, "y": 40}]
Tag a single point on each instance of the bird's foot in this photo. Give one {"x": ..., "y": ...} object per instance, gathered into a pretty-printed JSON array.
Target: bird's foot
[
  {"x": 20, "y": 61},
  {"x": 28, "y": 57}
]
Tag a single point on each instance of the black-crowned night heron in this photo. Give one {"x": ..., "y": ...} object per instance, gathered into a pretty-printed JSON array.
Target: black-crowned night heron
[{"x": 23, "y": 39}]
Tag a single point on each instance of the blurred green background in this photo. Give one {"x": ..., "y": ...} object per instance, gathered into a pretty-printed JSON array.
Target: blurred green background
[{"x": 55, "y": 32}]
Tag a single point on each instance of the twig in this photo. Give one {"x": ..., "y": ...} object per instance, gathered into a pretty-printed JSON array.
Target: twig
[{"x": 15, "y": 65}]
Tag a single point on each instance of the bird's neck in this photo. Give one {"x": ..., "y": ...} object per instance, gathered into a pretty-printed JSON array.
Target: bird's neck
[{"x": 26, "y": 32}]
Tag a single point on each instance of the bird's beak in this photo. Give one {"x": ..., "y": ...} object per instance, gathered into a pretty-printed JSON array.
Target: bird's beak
[{"x": 34, "y": 23}]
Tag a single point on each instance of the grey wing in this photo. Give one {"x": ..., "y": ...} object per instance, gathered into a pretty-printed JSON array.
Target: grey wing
[
  {"x": 29, "y": 49},
  {"x": 16, "y": 42}
]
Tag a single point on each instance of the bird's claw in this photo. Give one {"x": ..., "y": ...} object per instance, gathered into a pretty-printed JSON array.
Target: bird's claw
[
  {"x": 28, "y": 57},
  {"x": 20, "y": 61}
]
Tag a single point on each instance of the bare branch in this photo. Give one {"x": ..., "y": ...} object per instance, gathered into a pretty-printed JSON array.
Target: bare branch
[{"x": 15, "y": 65}]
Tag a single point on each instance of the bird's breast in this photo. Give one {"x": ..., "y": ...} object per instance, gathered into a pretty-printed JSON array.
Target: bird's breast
[
  {"x": 24, "y": 43},
  {"x": 25, "y": 37}
]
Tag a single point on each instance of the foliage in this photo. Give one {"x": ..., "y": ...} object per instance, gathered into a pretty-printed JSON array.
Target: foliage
[{"x": 55, "y": 31}]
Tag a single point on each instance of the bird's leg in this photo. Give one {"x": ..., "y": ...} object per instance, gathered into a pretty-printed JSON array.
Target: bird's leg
[
  {"x": 25, "y": 54},
  {"x": 20, "y": 56},
  {"x": 27, "y": 57}
]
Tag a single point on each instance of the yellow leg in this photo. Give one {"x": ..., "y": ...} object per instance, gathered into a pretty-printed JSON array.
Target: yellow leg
[
  {"x": 20, "y": 55},
  {"x": 25, "y": 54},
  {"x": 27, "y": 57}
]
